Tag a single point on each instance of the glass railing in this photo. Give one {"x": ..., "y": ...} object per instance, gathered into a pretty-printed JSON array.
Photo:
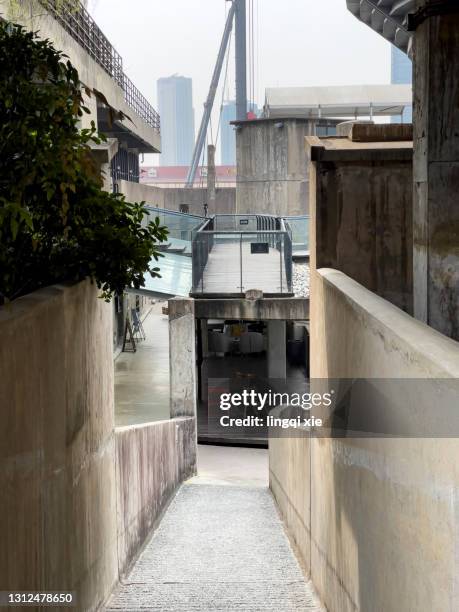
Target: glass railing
[
  {"x": 299, "y": 226},
  {"x": 180, "y": 225},
  {"x": 256, "y": 256}
]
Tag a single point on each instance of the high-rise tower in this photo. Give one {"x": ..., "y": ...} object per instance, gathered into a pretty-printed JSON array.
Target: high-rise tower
[{"x": 175, "y": 101}]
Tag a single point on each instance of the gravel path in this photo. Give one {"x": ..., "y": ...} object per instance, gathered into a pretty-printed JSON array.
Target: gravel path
[
  {"x": 301, "y": 279},
  {"x": 217, "y": 548}
]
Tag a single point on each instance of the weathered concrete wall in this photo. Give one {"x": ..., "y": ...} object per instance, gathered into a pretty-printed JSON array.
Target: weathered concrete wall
[
  {"x": 362, "y": 215},
  {"x": 151, "y": 461},
  {"x": 182, "y": 357},
  {"x": 379, "y": 528},
  {"x": 272, "y": 167},
  {"x": 57, "y": 447},
  {"x": 290, "y": 482},
  {"x": 265, "y": 309},
  {"x": 436, "y": 171},
  {"x": 35, "y": 17},
  {"x": 172, "y": 198}
]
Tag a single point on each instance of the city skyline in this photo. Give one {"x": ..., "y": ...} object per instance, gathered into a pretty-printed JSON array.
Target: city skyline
[{"x": 188, "y": 44}]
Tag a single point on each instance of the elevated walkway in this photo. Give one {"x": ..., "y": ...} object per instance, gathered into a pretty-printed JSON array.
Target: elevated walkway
[{"x": 233, "y": 254}]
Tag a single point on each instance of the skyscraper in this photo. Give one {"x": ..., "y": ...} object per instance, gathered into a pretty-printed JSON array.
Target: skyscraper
[
  {"x": 228, "y": 136},
  {"x": 175, "y": 102},
  {"x": 401, "y": 74}
]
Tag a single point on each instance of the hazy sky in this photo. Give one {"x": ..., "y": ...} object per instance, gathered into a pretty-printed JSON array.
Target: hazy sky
[{"x": 300, "y": 42}]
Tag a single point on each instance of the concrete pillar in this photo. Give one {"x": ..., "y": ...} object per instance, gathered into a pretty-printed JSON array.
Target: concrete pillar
[
  {"x": 436, "y": 172},
  {"x": 182, "y": 357},
  {"x": 277, "y": 349}
]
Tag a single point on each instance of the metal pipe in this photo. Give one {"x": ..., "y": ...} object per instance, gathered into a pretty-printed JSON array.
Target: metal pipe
[
  {"x": 241, "y": 59},
  {"x": 208, "y": 105}
]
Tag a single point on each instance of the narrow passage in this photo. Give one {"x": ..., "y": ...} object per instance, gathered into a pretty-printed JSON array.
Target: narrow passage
[{"x": 217, "y": 548}]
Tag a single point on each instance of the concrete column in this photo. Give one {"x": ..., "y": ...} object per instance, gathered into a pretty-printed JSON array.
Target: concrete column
[
  {"x": 436, "y": 172},
  {"x": 182, "y": 357},
  {"x": 277, "y": 349}
]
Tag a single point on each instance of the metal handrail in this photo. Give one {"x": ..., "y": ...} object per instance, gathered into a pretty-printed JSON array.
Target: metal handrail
[
  {"x": 84, "y": 30},
  {"x": 139, "y": 104},
  {"x": 243, "y": 232}
]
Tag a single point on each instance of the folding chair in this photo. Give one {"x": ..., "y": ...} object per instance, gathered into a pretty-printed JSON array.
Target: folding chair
[{"x": 137, "y": 325}]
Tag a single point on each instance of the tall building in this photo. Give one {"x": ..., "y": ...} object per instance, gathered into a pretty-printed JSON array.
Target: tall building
[
  {"x": 175, "y": 101},
  {"x": 401, "y": 74},
  {"x": 228, "y": 136}
]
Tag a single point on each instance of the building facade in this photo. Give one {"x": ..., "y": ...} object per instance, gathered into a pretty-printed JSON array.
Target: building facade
[
  {"x": 175, "y": 101},
  {"x": 401, "y": 74}
]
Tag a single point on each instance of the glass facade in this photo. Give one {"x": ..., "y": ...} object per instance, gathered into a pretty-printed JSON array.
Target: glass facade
[
  {"x": 175, "y": 101},
  {"x": 401, "y": 74}
]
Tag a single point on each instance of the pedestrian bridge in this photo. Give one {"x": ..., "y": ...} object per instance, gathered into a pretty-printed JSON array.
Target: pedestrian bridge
[{"x": 233, "y": 254}]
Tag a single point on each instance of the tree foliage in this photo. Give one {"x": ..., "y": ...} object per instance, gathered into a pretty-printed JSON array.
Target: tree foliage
[{"x": 56, "y": 222}]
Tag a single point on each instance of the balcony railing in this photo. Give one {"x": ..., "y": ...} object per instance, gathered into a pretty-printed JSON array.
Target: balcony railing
[
  {"x": 235, "y": 253},
  {"x": 77, "y": 21}
]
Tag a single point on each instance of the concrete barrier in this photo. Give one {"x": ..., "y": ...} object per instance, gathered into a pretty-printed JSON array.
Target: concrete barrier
[
  {"x": 151, "y": 461},
  {"x": 376, "y": 520},
  {"x": 77, "y": 500},
  {"x": 57, "y": 445}
]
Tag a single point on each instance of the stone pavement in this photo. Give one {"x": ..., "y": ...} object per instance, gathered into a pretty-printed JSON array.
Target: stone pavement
[{"x": 217, "y": 548}]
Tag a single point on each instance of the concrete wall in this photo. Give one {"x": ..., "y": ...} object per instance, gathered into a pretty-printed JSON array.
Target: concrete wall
[
  {"x": 78, "y": 500},
  {"x": 172, "y": 198},
  {"x": 376, "y": 520},
  {"x": 57, "y": 446},
  {"x": 33, "y": 16},
  {"x": 436, "y": 169},
  {"x": 272, "y": 167},
  {"x": 361, "y": 204},
  {"x": 151, "y": 461}
]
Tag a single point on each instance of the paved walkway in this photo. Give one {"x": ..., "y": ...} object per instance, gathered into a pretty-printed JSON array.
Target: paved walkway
[
  {"x": 264, "y": 271},
  {"x": 217, "y": 548},
  {"x": 142, "y": 378}
]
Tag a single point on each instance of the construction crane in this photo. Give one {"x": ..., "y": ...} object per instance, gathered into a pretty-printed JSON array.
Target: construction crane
[{"x": 237, "y": 16}]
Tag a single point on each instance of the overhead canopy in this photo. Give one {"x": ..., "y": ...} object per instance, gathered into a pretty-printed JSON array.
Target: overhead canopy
[
  {"x": 388, "y": 18},
  {"x": 337, "y": 101}
]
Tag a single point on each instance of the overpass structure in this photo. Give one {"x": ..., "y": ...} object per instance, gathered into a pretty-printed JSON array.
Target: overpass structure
[{"x": 387, "y": 17}]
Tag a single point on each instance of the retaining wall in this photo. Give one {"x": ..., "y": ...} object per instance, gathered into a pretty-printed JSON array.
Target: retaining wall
[
  {"x": 151, "y": 461},
  {"x": 77, "y": 498},
  {"x": 57, "y": 445},
  {"x": 376, "y": 520}
]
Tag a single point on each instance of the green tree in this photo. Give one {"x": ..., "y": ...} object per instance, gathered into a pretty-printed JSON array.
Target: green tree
[{"x": 56, "y": 221}]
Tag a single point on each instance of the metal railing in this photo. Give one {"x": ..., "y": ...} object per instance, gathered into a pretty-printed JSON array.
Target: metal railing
[
  {"x": 139, "y": 104},
  {"x": 77, "y": 21},
  {"x": 241, "y": 241}
]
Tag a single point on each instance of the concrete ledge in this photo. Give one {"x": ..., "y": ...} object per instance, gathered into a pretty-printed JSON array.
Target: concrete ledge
[
  {"x": 433, "y": 354},
  {"x": 293, "y": 309}
]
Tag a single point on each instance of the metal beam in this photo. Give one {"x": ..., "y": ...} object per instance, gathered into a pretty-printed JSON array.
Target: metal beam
[
  {"x": 241, "y": 59},
  {"x": 208, "y": 105}
]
